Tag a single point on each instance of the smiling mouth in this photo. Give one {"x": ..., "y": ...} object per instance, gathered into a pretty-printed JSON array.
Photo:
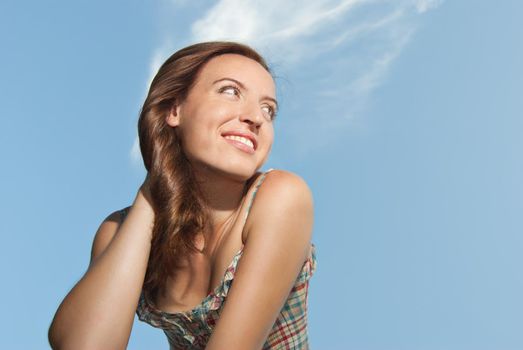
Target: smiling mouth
[
  {"x": 242, "y": 143},
  {"x": 241, "y": 139}
]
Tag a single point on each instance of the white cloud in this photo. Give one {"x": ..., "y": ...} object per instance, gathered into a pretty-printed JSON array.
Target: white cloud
[
  {"x": 158, "y": 57},
  {"x": 257, "y": 21},
  {"x": 334, "y": 53},
  {"x": 135, "y": 154},
  {"x": 425, "y": 5}
]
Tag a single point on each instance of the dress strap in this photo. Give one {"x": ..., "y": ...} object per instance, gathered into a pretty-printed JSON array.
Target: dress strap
[{"x": 256, "y": 187}]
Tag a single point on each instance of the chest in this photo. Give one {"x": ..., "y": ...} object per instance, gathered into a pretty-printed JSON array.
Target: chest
[{"x": 201, "y": 273}]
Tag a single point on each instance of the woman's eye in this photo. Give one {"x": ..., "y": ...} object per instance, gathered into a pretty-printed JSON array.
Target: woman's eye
[
  {"x": 230, "y": 90},
  {"x": 269, "y": 111}
]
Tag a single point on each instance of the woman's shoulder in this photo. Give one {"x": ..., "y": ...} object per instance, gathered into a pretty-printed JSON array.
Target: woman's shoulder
[
  {"x": 280, "y": 195},
  {"x": 285, "y": 179},
  {"x": 283, "y": 186}
]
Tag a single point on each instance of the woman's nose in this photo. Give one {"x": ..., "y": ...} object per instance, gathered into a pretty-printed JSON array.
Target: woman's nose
[{"x": 252, "y": 115}]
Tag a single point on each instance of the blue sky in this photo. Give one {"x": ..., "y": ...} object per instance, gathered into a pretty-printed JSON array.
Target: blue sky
[{"x": 404, "y": 117}]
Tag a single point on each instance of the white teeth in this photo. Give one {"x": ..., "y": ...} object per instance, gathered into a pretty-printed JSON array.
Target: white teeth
[{"x": 241, "y": 139}]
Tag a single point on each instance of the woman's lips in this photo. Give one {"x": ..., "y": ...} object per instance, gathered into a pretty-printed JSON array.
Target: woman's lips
[
  {"x": 242, "y": 134},
  {"x": 240, "y": 145}
]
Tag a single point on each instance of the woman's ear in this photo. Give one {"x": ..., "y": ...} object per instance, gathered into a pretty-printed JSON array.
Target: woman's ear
[{"x": 173, "y": 118}]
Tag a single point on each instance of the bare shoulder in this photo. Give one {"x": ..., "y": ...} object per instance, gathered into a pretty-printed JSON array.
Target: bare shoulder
[
  {"x": 105, "y": 234},
  {"x": 284, "y": 177},
  {"x": 282, "y": 214},
  {"x": 281, "y": 193},
  {"x": 283, "y": 180}
]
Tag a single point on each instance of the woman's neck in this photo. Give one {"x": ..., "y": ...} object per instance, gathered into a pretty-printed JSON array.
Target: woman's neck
[{"x": 222, "y": 195}]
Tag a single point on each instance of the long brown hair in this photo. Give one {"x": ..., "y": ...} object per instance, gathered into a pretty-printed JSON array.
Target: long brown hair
[{"x": 180, "y": 211}]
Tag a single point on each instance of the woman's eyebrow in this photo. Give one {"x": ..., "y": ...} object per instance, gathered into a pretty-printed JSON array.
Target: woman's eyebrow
[
  {"x": 241, "y": 85},
  {"x": 231, "y": 79},
  {"x": 273, "y": 100}
]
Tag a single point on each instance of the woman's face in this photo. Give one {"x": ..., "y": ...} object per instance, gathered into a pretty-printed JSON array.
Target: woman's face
[{"x": 225, "y": 123}]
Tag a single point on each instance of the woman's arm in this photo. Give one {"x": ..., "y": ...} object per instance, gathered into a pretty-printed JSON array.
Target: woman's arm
[
  {"x": 279, "y": 230},
  {"x": 98, "y": 312}
]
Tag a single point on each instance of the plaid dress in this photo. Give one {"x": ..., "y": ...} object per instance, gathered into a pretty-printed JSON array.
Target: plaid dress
[{"x": 192, "y": 329}]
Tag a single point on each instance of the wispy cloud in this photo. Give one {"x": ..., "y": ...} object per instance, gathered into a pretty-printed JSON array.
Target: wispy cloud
[
  {"x": 158, "y": 57},
  {"x": 274, "y": 21},
  {"x": 333, "y": 53},
  {"x": 425, "y": 5}
]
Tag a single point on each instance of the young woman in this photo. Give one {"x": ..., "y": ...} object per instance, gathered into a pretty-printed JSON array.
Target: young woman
[{"x": 195, "y": 254}]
